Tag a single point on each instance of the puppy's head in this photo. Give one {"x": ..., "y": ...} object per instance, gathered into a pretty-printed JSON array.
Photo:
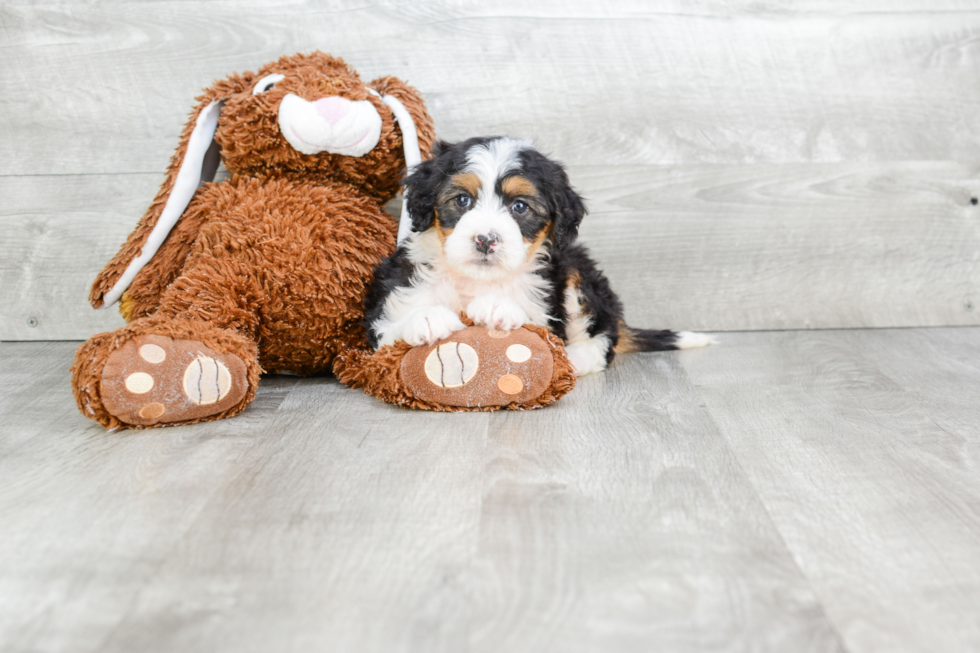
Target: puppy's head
[{"x": 493, "y": 203}]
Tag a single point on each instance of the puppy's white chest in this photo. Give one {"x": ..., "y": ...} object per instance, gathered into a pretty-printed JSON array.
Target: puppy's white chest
[
  {"x": 464, "y": 298},
  {"x": 465, "y": 290},
  {"x": 528, "y": 291}
]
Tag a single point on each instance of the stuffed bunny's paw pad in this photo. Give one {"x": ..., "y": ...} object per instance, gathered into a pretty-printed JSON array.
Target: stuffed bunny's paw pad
[
  {"x": 479, "y": 367},
  {"x": 159, "y": 380}
]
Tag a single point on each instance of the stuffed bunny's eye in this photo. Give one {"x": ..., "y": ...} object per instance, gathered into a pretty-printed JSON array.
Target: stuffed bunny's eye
[{"x": 266, "y": 83}]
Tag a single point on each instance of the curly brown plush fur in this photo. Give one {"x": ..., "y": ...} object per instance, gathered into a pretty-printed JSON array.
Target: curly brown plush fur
[
  {"x": 380, "y": 374},
  {"x": 252, "y": 147},
  {"x": 93, "y": 353},
  {"x": 266, "y": 271},
  {"x": 273, "y": 264}
]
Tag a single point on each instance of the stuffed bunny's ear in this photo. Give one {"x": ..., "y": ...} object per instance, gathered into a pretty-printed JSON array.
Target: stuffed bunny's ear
[
  {"x": 195, "y": 161},
  {"x": 416, "y": 127},
  {"x": 199, "y": 165},
  {"x": 413, "y": 155}
]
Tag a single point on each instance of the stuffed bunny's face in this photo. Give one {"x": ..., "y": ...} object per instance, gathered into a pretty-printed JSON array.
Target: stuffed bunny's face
[{"x": 312, "y": 114}]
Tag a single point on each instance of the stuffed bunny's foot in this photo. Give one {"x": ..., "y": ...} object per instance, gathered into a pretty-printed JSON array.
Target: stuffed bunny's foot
[
  {"x": 479, "y": 367},
  {"x": 155, "y": 379}
]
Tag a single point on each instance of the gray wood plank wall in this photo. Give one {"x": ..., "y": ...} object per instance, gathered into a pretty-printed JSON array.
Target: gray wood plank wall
[{"x": 750, "y": 165}]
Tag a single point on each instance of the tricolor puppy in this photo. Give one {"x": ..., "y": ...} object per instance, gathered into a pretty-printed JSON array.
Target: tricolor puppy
[{"x": 493, "y": 234}]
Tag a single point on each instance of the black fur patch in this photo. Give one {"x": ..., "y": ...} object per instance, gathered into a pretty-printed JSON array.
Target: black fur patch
[
  {"x": 395, "y": 271},
  {"x": 597, "y": 297},
  {"x": 567, "y": 208},
  {"x": 649, "y": 340}
]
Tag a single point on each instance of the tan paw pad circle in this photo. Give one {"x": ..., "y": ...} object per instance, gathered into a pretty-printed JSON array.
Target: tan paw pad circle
[
  {"x": 480, "y": 368},
  {"x": 452, "y": 365},
  {"x": 154, "y": 354},
  {"x": 206, "y": 380},
  {"x": 510, "y": 384},
  {"x": 139, "y": 383},
  {"x": 154, "y": 379},
  {"x": 152, "y": 411}
]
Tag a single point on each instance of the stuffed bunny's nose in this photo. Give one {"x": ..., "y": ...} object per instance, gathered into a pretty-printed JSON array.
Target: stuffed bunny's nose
[{"x": 332, "y": 109}]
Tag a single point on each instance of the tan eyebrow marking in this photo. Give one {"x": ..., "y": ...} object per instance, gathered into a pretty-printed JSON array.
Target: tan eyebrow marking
[
  {"x": 468, "y": 182},
  {"x": 517, "y": 185}
]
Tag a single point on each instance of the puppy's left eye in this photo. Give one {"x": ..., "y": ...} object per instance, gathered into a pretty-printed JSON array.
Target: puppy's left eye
[{"x": 519, "y": 207}]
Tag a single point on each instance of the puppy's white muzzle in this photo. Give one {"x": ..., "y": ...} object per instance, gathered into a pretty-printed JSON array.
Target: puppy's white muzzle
[
  {"x": 332, "y": 124},
  {"x": 469, "y": 250}
]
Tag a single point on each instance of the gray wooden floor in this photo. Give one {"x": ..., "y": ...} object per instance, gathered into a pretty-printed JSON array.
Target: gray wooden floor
[{"x": 783, "y": 491}]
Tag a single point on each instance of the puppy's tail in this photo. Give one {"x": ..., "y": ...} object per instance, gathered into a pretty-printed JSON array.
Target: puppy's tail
[{"x": 634, "y": 340}]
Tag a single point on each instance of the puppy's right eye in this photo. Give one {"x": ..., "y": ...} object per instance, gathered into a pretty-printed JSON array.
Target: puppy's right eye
[{"x": 463, "y": 201}]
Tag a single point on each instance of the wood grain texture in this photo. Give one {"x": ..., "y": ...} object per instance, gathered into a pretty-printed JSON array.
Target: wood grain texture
[
  {"x": 622, "y": 522},
  {"x": 105, "y": 87},
  {"x": 350, "y": 528},
  {"x": 863, "y": 446},
  {"x": 87, "y": 517},
  {"x": 59, "y": 232},
  {"x": 907, "y": 358},
  {"x": 750, "y": 165},
  {"x": 791, "y": 246},
  {"x": 321, "y": 519},
  {"x": 782, "y": 491},
  {"x": 704, "y": 247}
]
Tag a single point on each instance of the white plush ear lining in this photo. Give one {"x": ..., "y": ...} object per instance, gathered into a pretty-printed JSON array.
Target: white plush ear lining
[
  {"x": 189, "y": 179},
  {"x": 266, "y": 83},
  {"x": 413, "y": 155}
]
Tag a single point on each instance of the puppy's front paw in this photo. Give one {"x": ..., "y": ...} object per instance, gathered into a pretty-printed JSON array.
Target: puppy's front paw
[
  {"x": 425, "y": 326},
  {"x": 496, "y": 312}
]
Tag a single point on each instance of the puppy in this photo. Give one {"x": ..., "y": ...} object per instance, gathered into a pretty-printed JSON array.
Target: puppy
[{"x": 494, "y": 224}]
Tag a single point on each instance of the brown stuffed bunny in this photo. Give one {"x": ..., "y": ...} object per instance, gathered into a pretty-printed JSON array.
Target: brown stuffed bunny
[{"x": 268, "y": 271}]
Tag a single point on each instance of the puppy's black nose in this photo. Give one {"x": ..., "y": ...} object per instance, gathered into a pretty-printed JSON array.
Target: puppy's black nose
[{"x": 486, "y": 242}]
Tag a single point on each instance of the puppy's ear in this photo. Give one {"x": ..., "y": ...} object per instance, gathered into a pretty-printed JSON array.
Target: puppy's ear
[
  {"x": 422, "y": 187},
  {"x": 568, "y": 213},
  {"x": 195, "y": 162}
]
